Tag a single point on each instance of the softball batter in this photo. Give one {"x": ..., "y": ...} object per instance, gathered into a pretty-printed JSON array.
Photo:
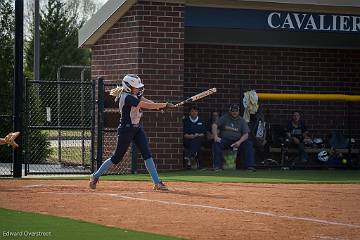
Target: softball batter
[{"x": 131, "y": 102}]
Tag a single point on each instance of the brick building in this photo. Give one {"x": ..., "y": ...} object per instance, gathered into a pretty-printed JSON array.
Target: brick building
[{"x": 180, "y": 48}]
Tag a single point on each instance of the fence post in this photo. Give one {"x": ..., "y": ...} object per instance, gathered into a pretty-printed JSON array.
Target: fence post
[
  {"x": 92, "y": 152},
  {"x": 100, "y": 122},
  {"x": 18, "y": 85},
  {"x": 59, "y": 113},
  {"x": 26, "y": 131},
  {"x": 82, "y": 118}
]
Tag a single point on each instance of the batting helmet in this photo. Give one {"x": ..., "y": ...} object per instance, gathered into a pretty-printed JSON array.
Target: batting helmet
[
  {"x": 323, "y": 156},
  {"x": 131, "y": 80}
]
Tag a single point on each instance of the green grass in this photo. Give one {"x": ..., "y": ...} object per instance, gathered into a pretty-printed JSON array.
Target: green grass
[
  {"x": 52, "y": 227},
  {"x": 71, "y": 155},
  {"x": 261, "y": 176},
  {"x": 66, "y": 133},
  {"x": 242, "y": 176}
]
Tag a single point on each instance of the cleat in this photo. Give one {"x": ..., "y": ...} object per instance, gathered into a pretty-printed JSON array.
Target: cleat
[
  {"x": 160, "y": 187},
  {"x": 93, "y": 181}
]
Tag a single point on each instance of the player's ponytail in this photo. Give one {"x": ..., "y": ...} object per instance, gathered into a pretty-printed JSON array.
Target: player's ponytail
[{"x": 116, "y": 92}]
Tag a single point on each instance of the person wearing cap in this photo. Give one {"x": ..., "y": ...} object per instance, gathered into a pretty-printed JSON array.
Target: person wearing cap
[
  {"x": 194, "y": 133},
  {"x": 234, "y": 133}
]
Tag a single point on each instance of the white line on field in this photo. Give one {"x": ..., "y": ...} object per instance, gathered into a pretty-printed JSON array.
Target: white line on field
[
  {"x": 47, "y": 185},
  {"x": 244, "y": 211},
  {"x": 99, "y": 194},
  {"x": 34, "y": 185},
  {"x": 269, "y": 214},
  {"x": 328, "y": 237}
]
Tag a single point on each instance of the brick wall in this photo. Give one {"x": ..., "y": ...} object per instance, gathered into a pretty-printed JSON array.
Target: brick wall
[
  {"x": 148, "y": 41},
  {"x": 161, "y": 62},
  {"x": 234, "y": 69}
]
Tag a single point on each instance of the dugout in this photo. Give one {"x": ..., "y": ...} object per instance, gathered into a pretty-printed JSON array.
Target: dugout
[{"x": 274, "y": 46}]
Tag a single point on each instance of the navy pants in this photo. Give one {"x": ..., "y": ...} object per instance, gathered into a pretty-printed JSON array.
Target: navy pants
[
  {"x": 193, "y": 145},
  {"x": 192, "y": 148},
  {"x": 246, "y": 147},
  {"x": 127, "y": 134}
]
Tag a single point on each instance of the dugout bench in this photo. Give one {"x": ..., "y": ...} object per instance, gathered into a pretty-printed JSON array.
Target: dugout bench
[
  {"x": 280, "y": 156},
  {"x": 286, "y": 153}
]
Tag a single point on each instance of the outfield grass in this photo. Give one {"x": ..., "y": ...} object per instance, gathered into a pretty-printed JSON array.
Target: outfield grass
[
  {"x": 66, "y": 133},
  {"x": 71, "y": 155},
  {"x": 242, "y": 176},
  {"x": 51, "y": 227}
]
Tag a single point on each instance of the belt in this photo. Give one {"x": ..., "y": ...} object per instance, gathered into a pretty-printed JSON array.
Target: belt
[{"x": 130, "y": 125}]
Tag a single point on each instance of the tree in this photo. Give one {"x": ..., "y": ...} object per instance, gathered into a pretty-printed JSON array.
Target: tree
[
  {"x": 59, "y": 25},
  {"x": 7, "y": 43},
  {"x": 83, "y": 9}
]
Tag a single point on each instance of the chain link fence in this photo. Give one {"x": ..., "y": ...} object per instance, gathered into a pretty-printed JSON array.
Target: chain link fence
[
  {"x": 66, "y": 132},
  {"x": 110, "y": 138},
  {"x": 6, "y": 153},
  {"x": 59, "y": 134}
]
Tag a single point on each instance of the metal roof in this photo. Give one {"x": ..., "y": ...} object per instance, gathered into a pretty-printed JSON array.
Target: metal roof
[
  {"x": 103, "y": 20},
  {"x": 113, "y": 10}
]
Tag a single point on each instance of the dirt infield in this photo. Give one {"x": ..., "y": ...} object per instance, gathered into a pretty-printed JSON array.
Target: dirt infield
[{"x": 198, "y": 210}]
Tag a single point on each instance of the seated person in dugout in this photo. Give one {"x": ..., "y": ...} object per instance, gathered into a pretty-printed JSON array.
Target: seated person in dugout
[
  {"x": 234, "y": 133},
  {"x": 214, "y": 117},
  {"x": 194, "y": 133},
  {"x": 297, "y": 135}
]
